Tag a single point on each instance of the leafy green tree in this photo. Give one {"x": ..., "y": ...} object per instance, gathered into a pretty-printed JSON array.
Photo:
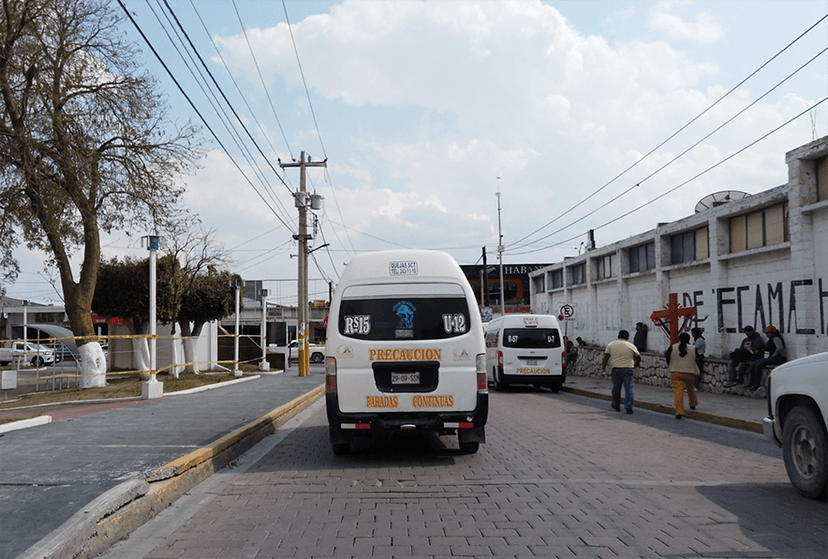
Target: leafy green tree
[
  {"x": 189, "y": 293},
  {"x": 211, "y": 296},
  {"x": 85, "y": 146}
]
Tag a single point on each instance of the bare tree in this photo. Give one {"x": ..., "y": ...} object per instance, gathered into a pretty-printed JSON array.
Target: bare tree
[
  {"x": 85, "y": 145},
  {"x": 199, "y": 290}
]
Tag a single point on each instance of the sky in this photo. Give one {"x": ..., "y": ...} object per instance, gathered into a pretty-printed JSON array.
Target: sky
[{"x": 609, "y": 116}]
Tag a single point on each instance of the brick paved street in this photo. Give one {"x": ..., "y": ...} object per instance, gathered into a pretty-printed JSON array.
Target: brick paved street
[{"x": 560, "y": 476}]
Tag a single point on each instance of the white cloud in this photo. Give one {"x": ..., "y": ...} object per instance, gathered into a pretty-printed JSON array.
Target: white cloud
[
  {"x": 704, "y": 30},
  {"x": 422, "y": 104}
]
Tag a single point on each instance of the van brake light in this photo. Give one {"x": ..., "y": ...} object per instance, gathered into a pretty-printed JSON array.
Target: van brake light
[
  {"x": 480, "y": 368},
  {"x": 330, "y": 375}
]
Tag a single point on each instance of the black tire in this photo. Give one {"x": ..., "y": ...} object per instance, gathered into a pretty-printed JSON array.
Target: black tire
[
  {"x": 341, "y": 449},
  {"x": 805, "y": 452},
  {"x": 470, "y": 447},
  {"x": 317, "y": 357},
  {"x": 498, "y": 386},
  {"x": 37, "y": 361},
  {"x": 555, "y": 387}
]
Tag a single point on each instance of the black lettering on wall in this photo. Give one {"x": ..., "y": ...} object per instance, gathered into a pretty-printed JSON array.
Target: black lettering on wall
[
  {"x": 759, "y": 312},
  {"x": 792, "y": 308},
  {"x": 822, "y": 295},
  {"x": 776, "y": 294},
  {"x": 739, "y": 291},
  {"x": 695, "y": 301},
  {"x": 720, "y": 303}
]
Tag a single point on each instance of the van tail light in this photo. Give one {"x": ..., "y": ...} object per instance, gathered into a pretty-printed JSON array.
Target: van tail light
[
  {"x": 480, "y": 368},
  {"x": 563, "y": 359},
  {"x": 330, "y": 375},
  {"x": 500, "y": 359}
]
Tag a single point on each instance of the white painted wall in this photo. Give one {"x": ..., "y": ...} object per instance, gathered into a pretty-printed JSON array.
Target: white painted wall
[{"x": 785, "y": 285}]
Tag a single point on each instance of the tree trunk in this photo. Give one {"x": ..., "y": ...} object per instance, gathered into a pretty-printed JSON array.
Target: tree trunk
[
  {"x": 191, "y": 335},
  {"x": 141, "y": 357},
  {"x": 78, "y": 303}
]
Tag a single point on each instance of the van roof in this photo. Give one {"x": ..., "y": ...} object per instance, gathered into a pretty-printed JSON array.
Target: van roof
[
  {"x": 396, "y": 265},
  {"x": 521, "y": 319}
]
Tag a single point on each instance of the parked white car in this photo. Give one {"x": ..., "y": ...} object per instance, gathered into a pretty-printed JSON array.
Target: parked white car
[
  {"x": 36, "y": 354},
  {"x": 797, "y": 412}
]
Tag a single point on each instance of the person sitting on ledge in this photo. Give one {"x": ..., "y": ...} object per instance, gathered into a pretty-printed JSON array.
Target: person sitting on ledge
[
  {"x": 751, "y": 349},
  {"x": 777, "y": 354}
]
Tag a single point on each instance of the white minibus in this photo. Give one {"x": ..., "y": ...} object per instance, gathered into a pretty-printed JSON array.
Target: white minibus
[
  {"x": 525, "y": 349},
  {"x": 405, "y": 350}
]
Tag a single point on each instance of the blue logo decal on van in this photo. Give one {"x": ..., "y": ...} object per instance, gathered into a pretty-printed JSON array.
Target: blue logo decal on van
[{"x": 405, "y": 311}]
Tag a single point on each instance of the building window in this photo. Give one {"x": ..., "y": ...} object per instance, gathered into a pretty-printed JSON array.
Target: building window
[
  {"x": 822, "y": 178},
  {"x": 539, "y": 284},
  {"x": 689, "y": 246},
  {"x": 577, "y": 274},
  {"x": 765, "y": 227},
  {"x": 557, "y": 279},
  {"x": 604, "y": 267},
  {"x": 642, "y": 257}
]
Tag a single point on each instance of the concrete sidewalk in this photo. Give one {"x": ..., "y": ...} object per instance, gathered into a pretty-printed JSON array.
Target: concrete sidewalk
[
  {"x": 730, "y": 410},
  {"x": 127, "y": 460},
  {"x": 57, "y": 480}
]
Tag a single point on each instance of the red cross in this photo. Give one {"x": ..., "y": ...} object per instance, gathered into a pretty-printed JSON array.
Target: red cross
[{"x": 672, "y": 314}]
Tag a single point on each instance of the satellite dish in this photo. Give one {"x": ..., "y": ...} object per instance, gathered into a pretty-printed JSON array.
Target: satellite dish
[{"x": 719, "y": 198}]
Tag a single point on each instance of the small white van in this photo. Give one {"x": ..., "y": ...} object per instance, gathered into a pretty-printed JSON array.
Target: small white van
[
  {"x": 405, "y": 350},
  {"x": 525, "y": 349}
]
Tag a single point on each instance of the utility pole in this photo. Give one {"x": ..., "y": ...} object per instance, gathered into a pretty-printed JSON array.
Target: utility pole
[{"x": 302, "y": 203}]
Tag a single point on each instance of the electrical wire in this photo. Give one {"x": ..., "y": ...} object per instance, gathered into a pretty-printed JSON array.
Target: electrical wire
[
  {"x": 694, "y": 119},
  {"x": 685, "y": 183},
  {"x": 676, "y": 158},
  {"x": 209, "y": 94},
  {"x": 261, "y": 78},
  {"x": 200, "y": 116},
  {"x": 302, "y": 73}
]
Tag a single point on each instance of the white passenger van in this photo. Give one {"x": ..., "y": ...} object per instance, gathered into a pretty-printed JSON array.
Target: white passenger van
[
  {"x": 405, "y": 350},
  {"x": 525, "y": 349}
]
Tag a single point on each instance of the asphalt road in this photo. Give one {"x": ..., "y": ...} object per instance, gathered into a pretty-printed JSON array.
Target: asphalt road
[{"x": 560, "y": 476}]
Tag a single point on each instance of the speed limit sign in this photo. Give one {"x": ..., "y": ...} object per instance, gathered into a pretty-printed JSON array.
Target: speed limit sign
[{"x": 567, "y": 311}]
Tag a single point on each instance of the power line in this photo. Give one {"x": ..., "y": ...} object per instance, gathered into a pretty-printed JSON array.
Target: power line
[
  {"x": 192, "y": 105},
  {"x": 694, "y": 119},
  {"x": 676, "y": 158},
  {"x": 688, "y": 181},
  {"x": 261, "y": 78},
  {"x": 304, "y": 82}
]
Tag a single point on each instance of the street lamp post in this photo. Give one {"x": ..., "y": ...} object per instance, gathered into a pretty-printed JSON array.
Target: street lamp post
[
  {"x": 264, "y": 365},
  {"x": 500, "y": 256},
  {"x": 237, "y": 372},
  {"x": 152, "y": 388}
]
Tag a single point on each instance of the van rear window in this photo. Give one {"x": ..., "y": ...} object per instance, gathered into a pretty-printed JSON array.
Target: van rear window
[
  {"x": 404, "y": 318},
  {"x": 526, "y": 338}
]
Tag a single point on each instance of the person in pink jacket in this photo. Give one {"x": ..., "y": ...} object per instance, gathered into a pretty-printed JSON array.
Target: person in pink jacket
[{"x": 681, "y": 358}]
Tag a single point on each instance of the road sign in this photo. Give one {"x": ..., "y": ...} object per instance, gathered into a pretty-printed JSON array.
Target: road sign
[{"x": 567, "y": 311}]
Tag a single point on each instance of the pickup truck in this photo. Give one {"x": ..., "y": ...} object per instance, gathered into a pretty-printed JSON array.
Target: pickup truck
[
  {"x": 35, "y": 354},
  {"x": 316, "y": 352},
  {"x": 796, "y": 421}
]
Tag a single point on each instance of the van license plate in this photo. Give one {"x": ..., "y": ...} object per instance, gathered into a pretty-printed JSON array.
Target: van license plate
[
  {"x": 531, "y": 362},
  {"x": 405, "y": 378}
]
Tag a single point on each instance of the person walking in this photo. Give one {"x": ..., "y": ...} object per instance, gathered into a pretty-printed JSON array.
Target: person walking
[
  {"x": 701, "y": 347},
  {"x": 681, "y": 358},
  {"x": 622, "y": 358}
]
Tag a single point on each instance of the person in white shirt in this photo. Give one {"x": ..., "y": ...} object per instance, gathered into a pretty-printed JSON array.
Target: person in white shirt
[{"x": 622, "y": 358}]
